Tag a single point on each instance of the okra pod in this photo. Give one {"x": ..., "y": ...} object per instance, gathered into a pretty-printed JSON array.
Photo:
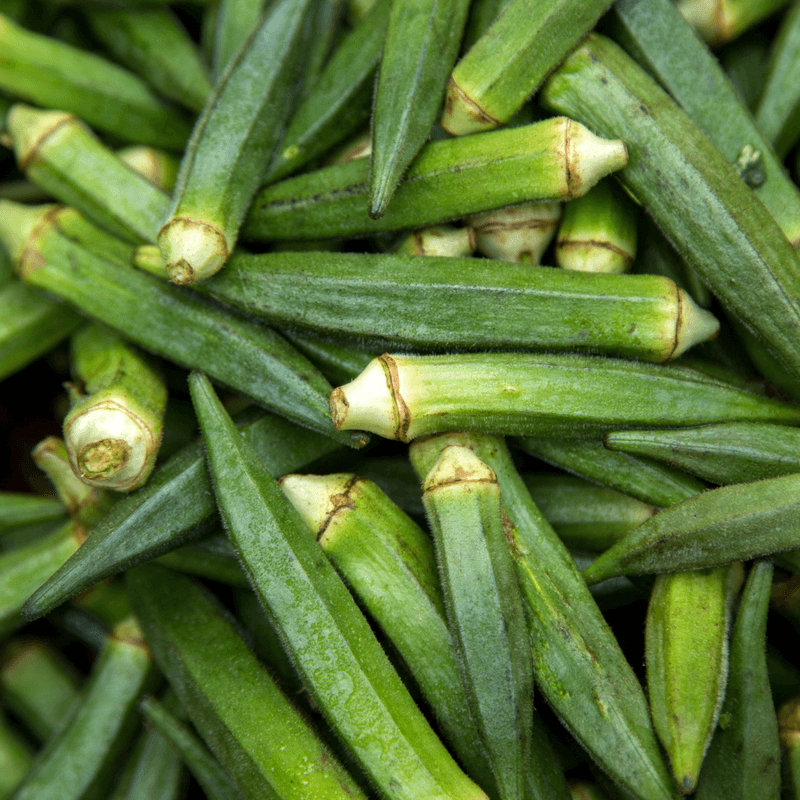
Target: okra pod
[
  {"x": 743, "y": 760},
  {"x": 724, "y": 453},
  {"x": 733, "y": 523},
  {"x": 735, "y": 245},
  {"x": 158, "y": 166},
  {"x": 53, "y": 74},
  {"x": 745, "y": 62},
  {"x": 546, "y": 396},
  {"x": 19, "y": 510},
  {"x": 113, "y": 429},
  {"x": 598, "y": 232},
  {"x": 328, "y": 638},
  {"x": 512, "y": 58},
  {"x": 789, "y": 733},
  {"x": 484, "y": 609},
  {"x": 234, "y": 22},
  {"x": 723, "y": 20},
  {"x": 211, "y": 557},
  {"x": 429, "y": 303},
  {"x": 258, "y": 736},
  {"x": 174, "y": 507},
  {"x": 232, "y": 140},
  {"x": 443, "y": 241},
  {"x": 519, "y": 233},
  {"x": 60, "y": 154},
  {"x": 551, "y": 160}
]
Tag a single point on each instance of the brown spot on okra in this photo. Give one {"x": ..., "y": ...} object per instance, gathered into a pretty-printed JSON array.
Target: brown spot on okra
[
  {"x": 678, "y": 322},
  {"x": 471, "y": 108},
  {"x": 338, "y": 405},
  {"x": 31, "y": 257},
  {"x": 393, "y": 382},
  {"x": 339, "y": 501}
]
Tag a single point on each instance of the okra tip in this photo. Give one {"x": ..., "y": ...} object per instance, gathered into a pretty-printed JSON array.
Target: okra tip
[
  {"x": 30, "y": 127},
  {"x": 462, "y": 115},
  {"x": 457, "y": 465},
  {"x": 18, "y": 223},
  {"x": 693, "y": 324},
  {"x": 192, "y": 249}
]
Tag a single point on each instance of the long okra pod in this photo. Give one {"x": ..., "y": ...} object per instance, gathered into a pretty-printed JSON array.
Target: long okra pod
[
  {"x": 232, "y": 141},
  {"x": 329, "y": 639},
  {"x": 551, "y": 160},
  {"x": 569, "y": 396},
  {"x": 734, "y": 243}
]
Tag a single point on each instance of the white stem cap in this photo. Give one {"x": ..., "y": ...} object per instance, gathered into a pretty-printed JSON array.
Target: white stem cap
[
  {"x": 588, "y": 158},
  {"x": 192, "y": 249},
  {"x": 457, "y": 465},
  {"x": 318, "y": 498}
]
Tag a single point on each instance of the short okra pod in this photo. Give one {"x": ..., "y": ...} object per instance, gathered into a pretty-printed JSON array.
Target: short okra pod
[
  {"x": 743, "y": 760},
  {"x": 546, "y": 396},
  {"x": 53, "y": 74},
  {"x": 733, "y": 523},
  {"x": 484, "y": 609},
  {"x": 551, "y": 160},
  {"x": 19, "y": 510},
  {"x": 598, "y": 232},
  {"x": 321, "y": 626},
  {"x": 518, "y": 233},
  {"x": 722, "y": 21},
  {"x": 232, "y": 140},
  {"x": 444, "y": 241},
  {"x": 60, "y": 154},
  {"x": 113, "y": 429},
  {"x": 429, "y": 303}
]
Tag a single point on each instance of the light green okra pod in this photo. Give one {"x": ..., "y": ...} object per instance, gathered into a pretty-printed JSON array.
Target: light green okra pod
[
  {"x": 512, "y": 58},
  {"x": 232, "y": 141},
  {"x": 330, "y": 642},
  {"x": 60, "y": 154},
  {"x": 518, "y": 233},
  {"x": 444, "y": 241},
  {"x": 721, "y": 21}
]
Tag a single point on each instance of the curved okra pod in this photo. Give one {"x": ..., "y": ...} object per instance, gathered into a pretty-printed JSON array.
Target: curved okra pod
[
  {"x": 518, "y": 233},
  {"x": 435, "y": 303},
  {"x": 735, "y": 245},
  {"x": 19, "y": 510},
  {"x": 724, "y": 453},
  {"x": 113, "y": 429},
  {"x": 546, "y": 396},
  {"x": 724, "y": 20},
  {"x": 577, "y": 662},
  {"x": 598, "y": 231},
  {"x": 60, "y": 154},
  {"x": 232, "y": 140},
  {"x": 556, "y": 159},
  {"x": 84, "y": 754},
  {"x": 328, "y": 638},
  {"x": 743, "y": 760},
  {"x": 53, "y": 74},
  {"x": 733, "y": 523},
  {"x": 511, "y": 59},
  {"x": 174, "y": 507}
]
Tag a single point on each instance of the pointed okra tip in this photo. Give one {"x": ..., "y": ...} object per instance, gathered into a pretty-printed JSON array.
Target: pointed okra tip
[
  {"x": 457, "y": 465},
  {"x": 192, "y": 249}
]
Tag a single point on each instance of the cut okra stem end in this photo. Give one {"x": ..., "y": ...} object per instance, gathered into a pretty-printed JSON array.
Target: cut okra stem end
[
  {"x": 692, "y": 324},
  {"x": 462, "y": 115},
  {"x": 192, "y": 249},
  {"x": 457, "y": 465},
  {"x": 319, "y": 498}
]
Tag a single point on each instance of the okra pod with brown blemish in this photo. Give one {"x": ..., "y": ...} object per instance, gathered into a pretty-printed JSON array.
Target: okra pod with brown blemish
[
  {"x": 518, "y": 233},
  {"x": 512, "y": 58},
  {"x": 444, "y": 241},
  {"x": 53, "y": 74},
  {"x": 544, "y": 396},
  {"x": 598, "y": 232},
  {"x": 556, "y": 159},
  {"x": 721, "y": 21},
  {"x": 233, "y": 139},
  {"x": 737, "y": 248},
  {"x": 390, "y": 301},
  {"x": 113, "y": 429}
]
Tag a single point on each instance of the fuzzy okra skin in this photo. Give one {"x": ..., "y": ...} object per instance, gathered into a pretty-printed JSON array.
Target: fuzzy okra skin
[
  {"x": 578, "y": 664},
  {"x": 546, "y": 396},
  {"x": 512, "y": 58},
  {"x": 555, "y": 159},
  {"x": 232, "y": 140},
  {"x": 327, "y": 636},
  {"x": 444, "y": 303},
  {"x": 174, "y": 507},
  {"x": 249, "y": 724},
  {"x": 726, "y": 233}
]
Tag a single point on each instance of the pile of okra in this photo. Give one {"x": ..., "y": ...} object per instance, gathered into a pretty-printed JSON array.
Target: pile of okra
[{"x": 402, "y": 400}]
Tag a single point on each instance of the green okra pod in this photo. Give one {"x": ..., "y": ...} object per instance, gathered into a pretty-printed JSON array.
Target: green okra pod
[
  {"x": 734, "y": 244},
  {"x": 512, "y": 58},
  {"x": 551, "y": 160},
  {"x": 642, "y": 478},
  {"x": 235, "y": 21},
  {"x": 434, "y": 303},
  {"x": 16, "y": 756},
  {"x": 174, "y": 507},
  {"x": 577, "y": 662},
  {"x": 113, "y": 429},
  {"x": 484, "y": 609},
  {"x": 53, "y": 74},
  {"x": 732, "y": 523},
  {"x": 723, "y": 20},
  {"x": 153, "y": 43},
  {"x": 745, "y": 62},
  {"x": 60, "y": 154},
  {"x": 420, "y": 47},
  {"x": 743, "y": 760},
  {"x": 724, "y": 453},
  {"x": 586, "y": 517},
  {"x": 19, "y": 510},
  {"x": 211, "y": 557},
  {"x": 518, "y": 233},
  {"x": 598, "y": 232},
  {"x": 232, "y": 141},
  {"x": 686, "y": 652},
  {"x": 482, "y": 14},
  {"x": 321, "y": 627},
  {"x": 158, "y": 166},
  {"x": 546, "y": 396}
]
